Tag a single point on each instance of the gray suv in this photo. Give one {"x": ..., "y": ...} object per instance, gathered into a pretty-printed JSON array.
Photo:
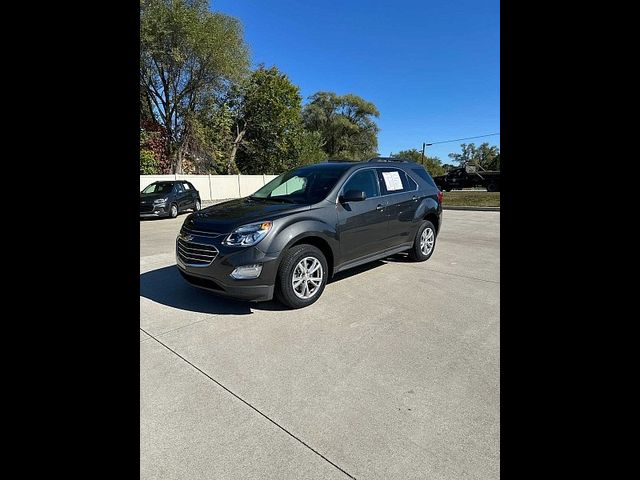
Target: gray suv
[{"x": 292, "y": 235}]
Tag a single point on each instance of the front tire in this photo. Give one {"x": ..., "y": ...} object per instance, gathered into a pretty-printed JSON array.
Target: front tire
[
  {"x": 197, "y": 205},
  {"x": 302, "y": 276},
  {"x": 424, "y": 244},
  {"x": 173, "y": 210}
]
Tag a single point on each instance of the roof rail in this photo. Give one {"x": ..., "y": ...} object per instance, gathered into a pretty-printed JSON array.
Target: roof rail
[
  {"x": 333, "y": 160},
  {"x": 389, "y": 159}
]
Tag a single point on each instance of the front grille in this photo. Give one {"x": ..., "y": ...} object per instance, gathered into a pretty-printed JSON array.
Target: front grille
[
  {"x": 200, "y": 233},
  {"x": 196, "y": 253},
  {"x": 146, "y": 208}
]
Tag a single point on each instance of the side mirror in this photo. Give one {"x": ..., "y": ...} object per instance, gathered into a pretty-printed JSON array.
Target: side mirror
[{"x": 353, "y": 196}]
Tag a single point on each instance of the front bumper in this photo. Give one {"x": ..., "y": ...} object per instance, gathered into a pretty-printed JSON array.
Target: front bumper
[
  {"x": 254, "y": 293},
  {"x": 216, "y": 276},
  {"x": 156, "y": 212}
]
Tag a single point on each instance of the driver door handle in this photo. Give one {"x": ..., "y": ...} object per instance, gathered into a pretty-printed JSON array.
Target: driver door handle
[{"x": 414, "y": 198}]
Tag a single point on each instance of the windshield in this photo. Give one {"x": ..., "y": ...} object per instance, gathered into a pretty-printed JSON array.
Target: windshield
[
  {"x": 159, "y": 188},
  {"x": 302, "y": 185}
]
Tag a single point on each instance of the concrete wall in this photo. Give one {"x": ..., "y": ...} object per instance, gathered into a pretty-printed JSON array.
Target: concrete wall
[{"x": 216, "y": 187}]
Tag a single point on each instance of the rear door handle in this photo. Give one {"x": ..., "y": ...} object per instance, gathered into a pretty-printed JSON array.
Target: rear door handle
[
  {"x": 414, "y": 198},
  {"x": 380, "y": 207}
]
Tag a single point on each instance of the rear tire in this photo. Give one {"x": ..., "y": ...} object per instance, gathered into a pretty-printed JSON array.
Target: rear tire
[
  {"x": 302, "y": 264},
  {"x": 424, "y": 244},
  {"x": 492, "y": 187}
]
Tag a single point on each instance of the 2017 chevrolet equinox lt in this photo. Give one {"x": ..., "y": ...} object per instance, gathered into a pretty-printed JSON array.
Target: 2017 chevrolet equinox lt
[{"x": 292, "y": 235}]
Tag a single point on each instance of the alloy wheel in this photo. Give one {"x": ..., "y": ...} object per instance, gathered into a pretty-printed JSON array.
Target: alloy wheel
[
  {"x": 427, "y": 239},
  {"x": 307, "y": 278}
]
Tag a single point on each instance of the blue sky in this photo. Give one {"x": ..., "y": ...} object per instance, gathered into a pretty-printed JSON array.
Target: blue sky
[{"x": 431, "y": 67}]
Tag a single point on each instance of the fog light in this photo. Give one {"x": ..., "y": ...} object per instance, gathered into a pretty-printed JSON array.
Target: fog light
[{"x": 247, "y": 271}]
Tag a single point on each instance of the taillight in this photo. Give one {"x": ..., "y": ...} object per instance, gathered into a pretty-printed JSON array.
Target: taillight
[{"x": 440, "y": 196}]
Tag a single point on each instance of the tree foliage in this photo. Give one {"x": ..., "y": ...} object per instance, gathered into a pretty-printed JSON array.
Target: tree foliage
[
  {"x": 308, "y": 147},
  {"x": 202, "y": 111},
  {"x": 488, "y": 157},
  {"x": 148, "y": 163},
  {"x": 153, "y": 139},
  {"x": 268, "y": 127},
  {"x": 432, "y": 164},
  {"x": 187, "y": 55},
  {"x": 345, "y": 123}
]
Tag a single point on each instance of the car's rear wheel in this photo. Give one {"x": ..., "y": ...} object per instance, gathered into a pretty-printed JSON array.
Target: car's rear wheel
[
  {"x": 492, "y": 187},
  {"x": 302, "y": 276},
  {"x": 173, "y": 210},
  {"x": 424, "y": 243}
]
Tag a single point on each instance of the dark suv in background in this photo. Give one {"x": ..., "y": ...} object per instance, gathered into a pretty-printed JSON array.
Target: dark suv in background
[
  {"x": 292, "y": 235},
  {"x": 168, "y": 198}
]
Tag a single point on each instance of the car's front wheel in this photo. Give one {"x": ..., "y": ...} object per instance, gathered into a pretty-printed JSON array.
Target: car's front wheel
[
  {"x": 424, "y": 243},
  {"x": 302, "y": 276},
  {"x": 196, "y": 207},
  {"x": 173, "y": 211}
]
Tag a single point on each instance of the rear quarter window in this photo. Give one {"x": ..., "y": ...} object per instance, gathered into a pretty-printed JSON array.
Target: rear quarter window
[{"x": 423, "y": 174}]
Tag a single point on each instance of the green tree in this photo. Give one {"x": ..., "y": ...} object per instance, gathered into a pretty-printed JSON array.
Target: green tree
[
  {"x": 267, "y": 130},
  {"x": 308, "y": 147},
  {"x": 146, "y": 111},
  {"x": 209, "y": 139},
  {"x": 345, "y": 123},
  {"x": 148, "y": 164},
  {"x": 432, "y": 164},
  {"x": 187, "y": 55},
  {"x": 488, "y": 157}
]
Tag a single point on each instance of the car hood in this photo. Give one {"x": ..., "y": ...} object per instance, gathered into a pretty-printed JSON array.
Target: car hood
[{"x": 224, "y": 217}]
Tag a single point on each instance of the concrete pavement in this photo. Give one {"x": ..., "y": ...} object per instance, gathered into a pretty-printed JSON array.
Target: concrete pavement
[{"x": 392, "y": 373}]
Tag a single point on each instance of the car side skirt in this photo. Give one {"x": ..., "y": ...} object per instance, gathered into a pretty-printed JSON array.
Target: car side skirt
[{"x": 372, "y": 258}]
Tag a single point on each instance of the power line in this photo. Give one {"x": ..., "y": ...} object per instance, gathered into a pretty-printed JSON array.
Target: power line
[{"x": 459, "y": 139}]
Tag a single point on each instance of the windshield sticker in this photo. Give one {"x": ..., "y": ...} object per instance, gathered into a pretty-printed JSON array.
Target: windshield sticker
[{"x": 392, "y": 181}]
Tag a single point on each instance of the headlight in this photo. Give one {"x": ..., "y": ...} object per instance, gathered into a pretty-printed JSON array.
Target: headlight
[
  {"x": 160, "y": 201},
  {"x": 248, "y": 235}
]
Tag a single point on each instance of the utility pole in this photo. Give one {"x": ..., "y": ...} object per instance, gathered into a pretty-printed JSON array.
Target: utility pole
[{"x": 424, "y": 145}]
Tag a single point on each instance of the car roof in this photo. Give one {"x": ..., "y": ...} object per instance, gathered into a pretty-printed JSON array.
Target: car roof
[{"x": 378, "y": 161}]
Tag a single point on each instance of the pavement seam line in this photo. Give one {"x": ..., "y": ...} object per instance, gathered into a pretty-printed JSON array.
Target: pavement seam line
[
  {"x": 248, "y": 404},
  {"x": 177, "y": 328},
  {"x": 463, "y": 276},
  {"x": 458, "y": 275}
]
